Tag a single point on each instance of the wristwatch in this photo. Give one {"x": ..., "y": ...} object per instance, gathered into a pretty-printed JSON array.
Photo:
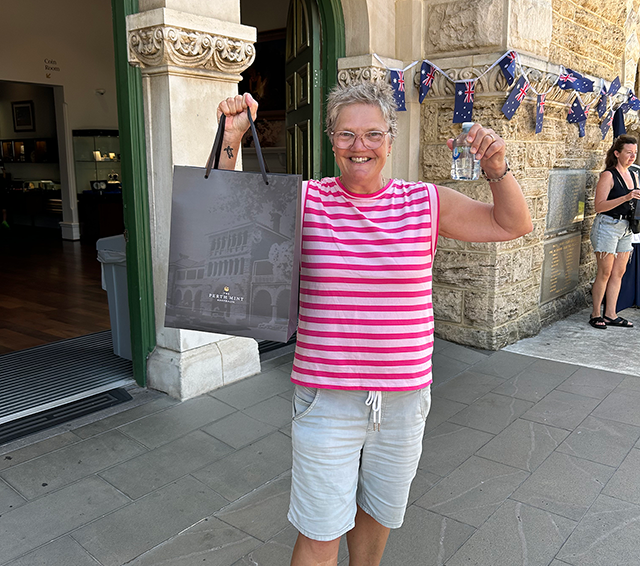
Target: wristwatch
[{"x": 506, "y": 162}]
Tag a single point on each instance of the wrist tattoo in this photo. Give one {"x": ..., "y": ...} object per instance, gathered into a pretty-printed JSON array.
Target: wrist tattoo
[{"x": 229, "y": 151}]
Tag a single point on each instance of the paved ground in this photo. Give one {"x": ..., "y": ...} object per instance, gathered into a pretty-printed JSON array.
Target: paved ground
[{"x": 527, "y": 461}]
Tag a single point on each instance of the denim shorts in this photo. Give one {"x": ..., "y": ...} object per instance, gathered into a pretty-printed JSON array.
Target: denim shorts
[
  {"x": 341, "y": 459},
  {"x": 611, "y": 235}
]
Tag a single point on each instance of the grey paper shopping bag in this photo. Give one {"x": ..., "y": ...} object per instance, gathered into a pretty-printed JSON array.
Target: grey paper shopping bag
[{"x": 234, "y": 250}]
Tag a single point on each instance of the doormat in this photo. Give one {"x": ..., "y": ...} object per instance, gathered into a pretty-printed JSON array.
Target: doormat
[{"x": 47, "y": 419}]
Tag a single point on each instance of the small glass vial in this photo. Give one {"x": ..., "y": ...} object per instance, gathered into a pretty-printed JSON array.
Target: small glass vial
[{"x": 464, "y": 166}]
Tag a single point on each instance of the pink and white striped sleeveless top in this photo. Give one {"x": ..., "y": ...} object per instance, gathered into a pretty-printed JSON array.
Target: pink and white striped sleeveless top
[{"x": 366, "y": 314}]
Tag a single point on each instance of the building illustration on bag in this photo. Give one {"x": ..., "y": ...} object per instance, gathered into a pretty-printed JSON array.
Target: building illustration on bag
[{"x": 245, "y": 280}]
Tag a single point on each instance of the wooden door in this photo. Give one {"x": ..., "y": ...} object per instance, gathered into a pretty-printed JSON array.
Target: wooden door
[{"x": 303, "y": 90}]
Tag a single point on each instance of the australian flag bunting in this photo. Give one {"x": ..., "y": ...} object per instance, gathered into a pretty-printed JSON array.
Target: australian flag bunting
[
  {"x": 602, "y": 103},
  {"x": 515, "y": 97},
  {"x": 463, "y": 108},
  {"x": 540, "y": 112},
  {"x": 614, "y": 87},
  {"x": 581, "y": 125},
  {"x": 633, "y": 101},
  {"x": 606, "y": 124},
  {"x": 574, "y": 80},
  {"x": 427, "y": 75},
  {"x": 576, "y": 112},
  {"x": 397, "y": 83},
  {"x": 508, "y": 66}
]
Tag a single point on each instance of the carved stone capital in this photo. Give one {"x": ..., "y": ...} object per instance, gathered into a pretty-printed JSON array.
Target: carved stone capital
[
  {"x": 169, "y": 45},
  {"x": 362, "y": 74}
]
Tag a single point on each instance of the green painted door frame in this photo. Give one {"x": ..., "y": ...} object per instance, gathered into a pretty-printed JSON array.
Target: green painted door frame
[{"x": 134, "y": 194}]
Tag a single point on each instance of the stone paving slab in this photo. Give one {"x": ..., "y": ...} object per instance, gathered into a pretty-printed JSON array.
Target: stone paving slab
[
  {"x": 425, "y": 538},
  {"x": 515, "y": 534},
  {"x": 448, "y": 446},
  {"x": 564, "y": 485},
  {"x": 591, "y": 382},
  {"x": 472, "y": 492},
  {"x": 622, "y": 406},
  {"x": 263, "y": 512},
  {"x": 119, "y": 537},
  {"x": 624, "y": 484},
  {"x": 32, "y": 451},
  {"x": 176, "y": 421},
  {"x": 156, "y": 468},
  {"x": 609, "y": 535},
  {"x": 562, "y": 410},
  {"x": 9, "y": 498},
  {"x": 71, "y": 463},
  {"x": 491, "y": 413},
  {"x": 523, "y": 444},
  {"x": 239, "y": 430},
  {"x": 248, "y": 468},
  {"x": 63, "y": 551},
  {"x": 603, "y": 441},
  {"x": 467, "y": 387},
  {"x": 56, "y": 514},
  {"x": 210, "y": 541}
]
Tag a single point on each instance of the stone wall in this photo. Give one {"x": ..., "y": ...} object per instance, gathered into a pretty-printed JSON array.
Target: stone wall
[{"x": 488, "y": 295}]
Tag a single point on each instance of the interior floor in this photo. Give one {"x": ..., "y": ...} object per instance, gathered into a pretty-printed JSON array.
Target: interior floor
[{"x": 50, "y": 289}]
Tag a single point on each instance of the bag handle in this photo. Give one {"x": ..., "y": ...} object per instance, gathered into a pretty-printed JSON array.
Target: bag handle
[{"x": 216, "y": 150}]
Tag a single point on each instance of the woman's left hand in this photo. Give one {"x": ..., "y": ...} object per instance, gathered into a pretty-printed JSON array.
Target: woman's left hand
[{"x": 489, "y": 148}]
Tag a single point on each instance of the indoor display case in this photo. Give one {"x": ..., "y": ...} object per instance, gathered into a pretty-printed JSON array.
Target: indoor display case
[
  {"x": 97, "y": 163},
  {"x": 29, "y": 151},
  {"x": 97, "y": 160}
]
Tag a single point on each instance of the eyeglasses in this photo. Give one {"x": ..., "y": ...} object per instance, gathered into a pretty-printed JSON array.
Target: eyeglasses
[{"x": 345, "y": 139}]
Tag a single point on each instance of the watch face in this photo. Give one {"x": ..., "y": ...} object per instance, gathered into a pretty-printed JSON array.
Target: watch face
[{"x": 103, "y": 185}]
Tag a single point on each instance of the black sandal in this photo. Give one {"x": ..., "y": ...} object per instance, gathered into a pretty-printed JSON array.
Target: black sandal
[
  {"x": 598, "y": 322},
  {"x": 622, "y": 322}
]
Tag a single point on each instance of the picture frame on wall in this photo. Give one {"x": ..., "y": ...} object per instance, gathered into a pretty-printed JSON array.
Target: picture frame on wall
[{"x": 23, "y": 116}]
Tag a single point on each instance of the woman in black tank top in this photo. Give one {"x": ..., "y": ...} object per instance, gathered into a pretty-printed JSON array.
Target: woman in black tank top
[{"x": 616, "y": 196}]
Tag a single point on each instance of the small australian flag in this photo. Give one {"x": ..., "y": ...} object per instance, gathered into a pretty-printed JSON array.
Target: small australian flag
[
  {"x": 463, "y": 107},
  {"x": 614, "y": 87},
  {"x": 397, "y": 83},
  {"x": 576, "y": 112},
  {"x": 515, "y": 97},
  {"x": 574, "y": 80},
  {"x": 508, "y": 66},
  {"x": 606, "y": 124},
  {"x": 602, "y": 103},
  {"x": 427, "y": 76},
  {"x": 540, "y": 112},
  {"x": 633, "y": 101},
  {"x": 581, "y": 125}
]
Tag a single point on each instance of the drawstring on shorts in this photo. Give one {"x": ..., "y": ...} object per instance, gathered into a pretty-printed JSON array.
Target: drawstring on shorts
[{"x": 374, "y": 400}]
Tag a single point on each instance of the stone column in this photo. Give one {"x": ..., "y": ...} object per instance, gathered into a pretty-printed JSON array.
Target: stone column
[
  {"x": 486, "y": 295},
  {"x": 190, "y": 61}
]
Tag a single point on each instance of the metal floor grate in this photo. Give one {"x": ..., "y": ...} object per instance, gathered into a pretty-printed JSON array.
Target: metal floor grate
[{"x": 48, "y": 376}]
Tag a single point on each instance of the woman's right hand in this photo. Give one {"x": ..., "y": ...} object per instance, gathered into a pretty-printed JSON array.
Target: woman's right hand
[
  {"x": 237, "y": 121},
  {"x": 635, "y": 193}
]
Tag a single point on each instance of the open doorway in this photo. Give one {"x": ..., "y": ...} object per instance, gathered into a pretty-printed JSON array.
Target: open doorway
[
  {"x": 51, "y": 287},
  {"x": 286, "y": 81}
]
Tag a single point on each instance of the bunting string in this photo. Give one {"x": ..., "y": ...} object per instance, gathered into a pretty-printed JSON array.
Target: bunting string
[{"x": 511, "y": 66}]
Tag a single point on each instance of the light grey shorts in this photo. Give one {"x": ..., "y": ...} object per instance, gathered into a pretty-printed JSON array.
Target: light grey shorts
[
  {"x": 340, "y": 461},
  {"x": 611, "y": 235}
]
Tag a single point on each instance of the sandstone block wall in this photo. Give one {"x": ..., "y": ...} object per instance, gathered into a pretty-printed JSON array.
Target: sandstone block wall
[{"x": 488, "y": 295}]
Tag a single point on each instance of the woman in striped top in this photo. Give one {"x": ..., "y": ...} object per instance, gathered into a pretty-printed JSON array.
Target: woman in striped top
[{"x": 362, "y": 365}]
